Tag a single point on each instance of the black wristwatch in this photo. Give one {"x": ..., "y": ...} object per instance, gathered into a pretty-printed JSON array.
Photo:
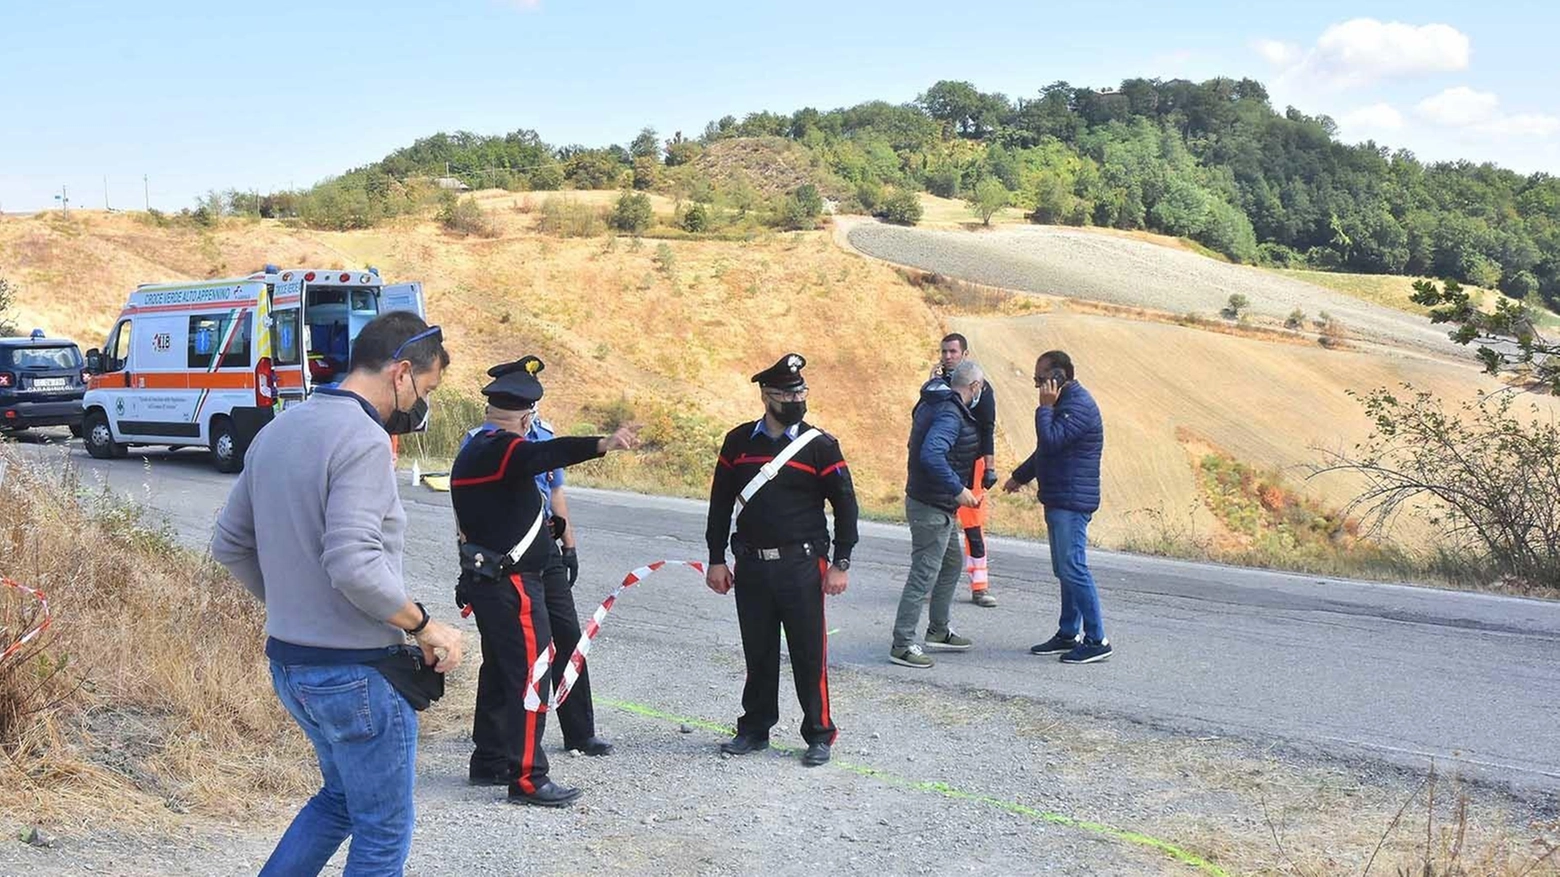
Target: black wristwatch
[
  {"x": 421, "y": 624},
  {"x": 842, "y": 564}
]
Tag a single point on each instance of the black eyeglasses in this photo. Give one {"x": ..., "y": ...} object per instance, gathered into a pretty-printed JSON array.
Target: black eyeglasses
[{"x": 433, "y": 332}]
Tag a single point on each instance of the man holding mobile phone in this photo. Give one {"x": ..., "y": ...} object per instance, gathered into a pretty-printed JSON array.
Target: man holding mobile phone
[{"x": 1069, "y": 441}]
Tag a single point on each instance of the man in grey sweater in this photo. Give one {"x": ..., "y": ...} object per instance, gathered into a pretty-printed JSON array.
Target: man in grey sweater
[{"x": 329, "y": 571}]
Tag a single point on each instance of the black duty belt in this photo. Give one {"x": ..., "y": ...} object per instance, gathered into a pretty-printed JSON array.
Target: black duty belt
[{"x": 793, "y": 551}]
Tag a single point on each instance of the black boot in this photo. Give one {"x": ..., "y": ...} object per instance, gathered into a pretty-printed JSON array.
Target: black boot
[
  {"x": 742, "y": 744},
  {"x": 491, "y": 775},
  {"x": 593, "y": 746},
  {"x": 816, "y": 754},
  {"x": 549, "y": 795}
]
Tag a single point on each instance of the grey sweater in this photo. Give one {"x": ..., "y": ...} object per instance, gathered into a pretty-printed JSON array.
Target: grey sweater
[{"x": 328, "y": 565}]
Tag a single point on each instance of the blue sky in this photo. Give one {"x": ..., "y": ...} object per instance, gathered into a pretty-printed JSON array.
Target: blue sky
[{"x": 203, "y": 95}]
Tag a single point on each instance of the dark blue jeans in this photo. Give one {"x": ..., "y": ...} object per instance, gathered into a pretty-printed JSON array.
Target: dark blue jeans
[
  {"x": 1069, "y": 535},
  {"x": 365, "y": 734}
]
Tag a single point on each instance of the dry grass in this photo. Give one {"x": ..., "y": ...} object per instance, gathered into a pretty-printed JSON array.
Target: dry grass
[
  {"x": 1268, "y": 404},
  {"x": 610, "y": 322},
  {"x": 149, "y": 694},
  {"x": 955, "y": 213}
]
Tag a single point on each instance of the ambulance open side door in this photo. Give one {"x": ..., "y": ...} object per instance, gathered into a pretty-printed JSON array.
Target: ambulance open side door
[{"x": 402, "y": 297}]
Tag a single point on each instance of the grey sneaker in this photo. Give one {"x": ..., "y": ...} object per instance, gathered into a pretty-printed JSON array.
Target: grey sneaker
[
  {"x": 910, "y": 656},
  {"x": 948, "y": 641},
  {"x": 983, "y": 598}
]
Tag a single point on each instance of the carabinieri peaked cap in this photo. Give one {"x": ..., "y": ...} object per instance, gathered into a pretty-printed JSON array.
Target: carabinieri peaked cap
[
  {"x": 786, "y": 374},
  {"x": 514, "y": 386}
]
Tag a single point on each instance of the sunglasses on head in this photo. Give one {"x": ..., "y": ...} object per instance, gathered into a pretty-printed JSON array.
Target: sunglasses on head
[{"x": 433, "y": 332}]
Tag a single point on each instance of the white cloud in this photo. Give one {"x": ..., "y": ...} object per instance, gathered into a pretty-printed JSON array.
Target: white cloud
[
  {"x": 1369, "y": 120},
  {"x": 1478, "y": 112},
  {"x": 1459, "y": 107},
  {"x": 1279, "y": 54},
  {"x": 1363, "y": 50},
  {"x": 1525, "y": 125}
]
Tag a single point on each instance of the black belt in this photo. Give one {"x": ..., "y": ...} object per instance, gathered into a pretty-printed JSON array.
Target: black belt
[{"x": 793, "y": 551}]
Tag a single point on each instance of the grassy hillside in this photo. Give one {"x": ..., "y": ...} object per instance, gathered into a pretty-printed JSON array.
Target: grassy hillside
[{"x": 666, "y": 334}]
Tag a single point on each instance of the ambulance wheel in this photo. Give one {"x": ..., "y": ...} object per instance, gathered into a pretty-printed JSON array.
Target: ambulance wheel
[
  {"x": 99, "y": 438},
  {"x": 223, "y": 450}
]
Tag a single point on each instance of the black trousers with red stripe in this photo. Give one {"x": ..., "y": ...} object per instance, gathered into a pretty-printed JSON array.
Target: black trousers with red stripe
[
  {"x": 775, "y": 594},
  {"x": 512, "y": 618}
]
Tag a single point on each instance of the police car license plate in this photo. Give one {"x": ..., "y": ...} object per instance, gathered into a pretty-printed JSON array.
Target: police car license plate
[{"x": 50, "y": 383}]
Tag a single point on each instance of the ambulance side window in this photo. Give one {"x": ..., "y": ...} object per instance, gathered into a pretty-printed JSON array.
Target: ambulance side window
[
  {"x": 284, "y": 337},
  {"x": 217, "y": 341},
  {"x": 117, "y": 352}
]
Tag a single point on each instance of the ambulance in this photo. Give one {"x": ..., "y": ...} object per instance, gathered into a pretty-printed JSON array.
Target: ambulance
[{"x": 208, "y": 363}]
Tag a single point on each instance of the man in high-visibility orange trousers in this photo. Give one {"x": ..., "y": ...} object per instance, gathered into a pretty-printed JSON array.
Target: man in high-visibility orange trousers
[{"x": 973, "y": 520}]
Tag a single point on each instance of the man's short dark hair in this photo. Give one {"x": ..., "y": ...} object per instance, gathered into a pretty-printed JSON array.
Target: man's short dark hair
[
  {"x": 964, "y": 343},
  {"x": 1058, "y": 359},
  {"x": 379, "y": 340}
]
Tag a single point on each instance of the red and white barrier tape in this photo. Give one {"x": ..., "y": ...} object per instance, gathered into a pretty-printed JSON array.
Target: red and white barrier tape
[
  {"x": 543, "y": 665},
  {"x": 43, "y": 610}
]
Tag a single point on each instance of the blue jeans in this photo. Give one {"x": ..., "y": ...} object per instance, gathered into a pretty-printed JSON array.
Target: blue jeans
[
  {"x": 365, "y": 734},
  {"x": 1069, "y": 535}
]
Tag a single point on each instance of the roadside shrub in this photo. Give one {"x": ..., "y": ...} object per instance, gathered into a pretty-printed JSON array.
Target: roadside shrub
[
  {"x": 695, "y": 219},
  {"x": 632, "y": 213},
  {"x": 1236, "y": 304},
  {"x": 1485, "y": 478},
  {"x": 1278, "y": 256},
  {"x": 943, "y": 182},
  {"x": 900, "y": 208},
  {"x": 463, "y": 216},
  {"x": 800, "y": 210}
]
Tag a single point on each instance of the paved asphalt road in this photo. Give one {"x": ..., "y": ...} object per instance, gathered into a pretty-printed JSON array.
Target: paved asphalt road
[{"x": 1325, "y": 666}]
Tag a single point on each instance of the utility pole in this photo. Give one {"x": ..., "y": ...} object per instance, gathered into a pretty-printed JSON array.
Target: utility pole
[
  {"x": 106, "y": 208},
  {"x": 146, "y": 189},
  {"x": 64, "y": 198}
]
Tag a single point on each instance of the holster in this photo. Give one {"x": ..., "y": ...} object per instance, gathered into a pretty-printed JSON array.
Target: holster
[
  {"x": 483, "y": 562},
  {"x": 407, "y": 673}
]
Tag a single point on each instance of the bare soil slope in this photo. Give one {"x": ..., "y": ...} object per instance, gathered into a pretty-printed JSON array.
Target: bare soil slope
[
  {"x": 1126, "y": 271},
  {"x": 1166, "y": 390}
]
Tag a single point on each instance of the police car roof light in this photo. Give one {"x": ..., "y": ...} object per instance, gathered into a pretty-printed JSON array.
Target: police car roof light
[
  {"x": 271, "y": 269},
  {"x": 37, "y": 333}
]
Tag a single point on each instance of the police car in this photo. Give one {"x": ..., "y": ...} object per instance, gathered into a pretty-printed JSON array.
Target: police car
[
  {"x": 41, "y": 383},
  {"x": 208, "y": 363}
]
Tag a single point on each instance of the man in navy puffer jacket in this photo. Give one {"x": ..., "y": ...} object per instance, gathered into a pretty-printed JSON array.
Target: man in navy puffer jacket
[
  {"x": 944, "y": 443},
  {"x": 1069, "y": 439}
]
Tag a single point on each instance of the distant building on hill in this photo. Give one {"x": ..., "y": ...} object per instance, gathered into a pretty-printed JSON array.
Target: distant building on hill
[{"x": 451, "y": 183}]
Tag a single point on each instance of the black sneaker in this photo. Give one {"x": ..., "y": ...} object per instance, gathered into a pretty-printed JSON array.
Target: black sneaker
[
  {"x": 1088, "y": 652},
  {"x": 1056, "y": 645}
]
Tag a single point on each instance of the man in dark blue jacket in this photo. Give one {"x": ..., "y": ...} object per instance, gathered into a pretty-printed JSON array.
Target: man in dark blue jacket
[
  {"x": 944, "y": 444},
  {"x": 1069, "y": 439}
]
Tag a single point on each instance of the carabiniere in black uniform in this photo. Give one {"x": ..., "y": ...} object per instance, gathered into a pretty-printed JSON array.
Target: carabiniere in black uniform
[
  {"x": 496, "y": 500},
  {"x": 782, "y": 556}
]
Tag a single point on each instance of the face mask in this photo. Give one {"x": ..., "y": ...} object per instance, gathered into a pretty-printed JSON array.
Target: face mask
[
  {"x": 402, "y": 422},
  {"x": 789, "y": 413}
]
